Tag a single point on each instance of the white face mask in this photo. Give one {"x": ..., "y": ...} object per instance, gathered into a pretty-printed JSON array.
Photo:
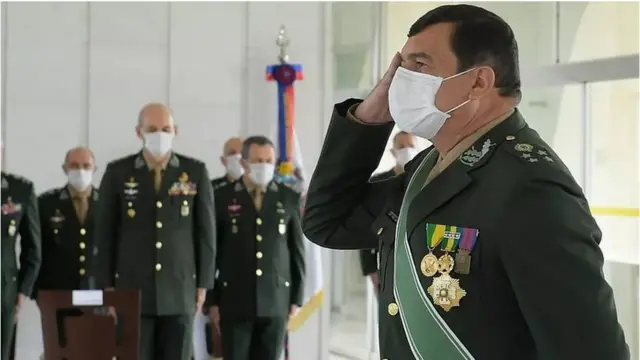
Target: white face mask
[
  {"x": 261, "y": 173},
  {"x": 404, "y": 155},
  {"x": 158, "y": 143},
  {"x": 234, "y": 167},
  {"x": 80, "y": 179},
  {"x": 412, "y": 102}
]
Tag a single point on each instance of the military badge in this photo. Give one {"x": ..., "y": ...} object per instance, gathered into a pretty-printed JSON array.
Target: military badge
[
  {"x": 234, "y": 208},
  {"x": 524, "y": 147},
  {"x": 282, "y": 227},
  {"x": 184, "y": 210},
  {"x": 12, "y": 228},
  {"x": 131, "y": 213},
  {"x": 234, "y": 229},
  {"x": 183, "y": 186},
  {"x": 57, "y": 218},
  {"x": 131, "y": 188},
  {"x": 472, "y": 156},
  {"x": 10, "y": 207},
  {"x": 463, "y": 256},
  {"x": 446, "y": 292}
]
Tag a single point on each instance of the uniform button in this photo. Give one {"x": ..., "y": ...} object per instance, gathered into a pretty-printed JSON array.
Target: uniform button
[
  {"x": 233, "y": 221},
  {"x": 82, "y": 245},
  {"x": 83, "y": 232},
  {"x": 259, "y": 255},
  {"x": 159, "y": 224},
  {"x": 259, "y": 272},
  {"x": 158, "y": 267},
  {"x": 116, "y": 275},
  {"x": 82, "y": 271},
  {"x": 158, "y": 204},
  {"x": 380, "y": 231},
  {"x": 259, "y": 221},
  {"x": 224, "y": 284},
  {"x": 55, "y": 231},
  {"x": 286, "y": 283},
  {"x": 82, "y": 258},
  {"x": 158, "y": 245},
  {"x": 13, "y": 279},
  {"x": 259, "y": 237},
  {"x": 392, "y": 309}
]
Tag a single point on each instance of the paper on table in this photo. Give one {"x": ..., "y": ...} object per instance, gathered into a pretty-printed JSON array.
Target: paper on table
[{"x": 86, "y": 297}]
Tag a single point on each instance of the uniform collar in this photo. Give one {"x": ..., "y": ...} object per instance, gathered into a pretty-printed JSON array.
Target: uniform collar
[
  {"x": 79, "y": 194},
  {"x": 143, "y": 159}
]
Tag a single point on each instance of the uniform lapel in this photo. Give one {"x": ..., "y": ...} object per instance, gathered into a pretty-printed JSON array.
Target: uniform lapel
[
  {"x": 171, "y": 176},
  {"x": 456, "y": 178},
  {"x": 270, "y": 198},
  {"x": 67, "y": 209},
  {"x": 243, "y": 197}
]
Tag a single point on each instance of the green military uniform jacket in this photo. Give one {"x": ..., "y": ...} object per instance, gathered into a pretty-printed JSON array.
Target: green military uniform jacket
[
  {"x": 19, "y": 218},
  {"x": 261, "y": 256},
  {"x": 161, "y": 243},
  {"x": 67, "y": 244},
  {"x": 369, "y": 257},
  {"x": 534, "y": 285}
]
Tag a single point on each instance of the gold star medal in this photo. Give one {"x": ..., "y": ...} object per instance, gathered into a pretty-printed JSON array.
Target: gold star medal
[{"x": 446, "y": 292}]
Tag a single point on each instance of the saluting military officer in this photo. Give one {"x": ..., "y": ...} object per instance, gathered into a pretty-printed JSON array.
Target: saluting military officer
[
  {"x": 403, "y": 150},
  {"x": 155, "y": 232},
  {"x": 261, "y": 259},
  {"x": 19, "y": 218},
  {"x": 489, "y": 250},
  {"x": 231, "y": 160}
]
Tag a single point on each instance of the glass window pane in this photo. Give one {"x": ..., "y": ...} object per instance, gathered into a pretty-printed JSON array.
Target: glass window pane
[
  {"x": 556, "y": 114},
  {"x": 615, "y": 172},
  {"x": 614, "y": 142},
  {"x": 597, "y": 30}
]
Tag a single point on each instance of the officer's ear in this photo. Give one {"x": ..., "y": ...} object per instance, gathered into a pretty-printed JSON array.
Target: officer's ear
[
  {"x": 64, "y": 169},
  {"x": 139, "y": 132},
  {"x": 393, "y": 152},
  {"x": 223, "y": 160},
  {"x": 175, "y": 130}
]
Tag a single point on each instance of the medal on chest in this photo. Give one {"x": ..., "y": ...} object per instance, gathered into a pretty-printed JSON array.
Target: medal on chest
[{"x": 444, "y": 290}]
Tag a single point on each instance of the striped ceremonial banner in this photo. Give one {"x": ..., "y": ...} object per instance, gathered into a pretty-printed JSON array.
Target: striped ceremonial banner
[{"x": 290, "y": 171}]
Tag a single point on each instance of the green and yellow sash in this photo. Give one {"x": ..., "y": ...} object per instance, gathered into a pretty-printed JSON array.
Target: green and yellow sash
[{"x": 428, "y": 335}]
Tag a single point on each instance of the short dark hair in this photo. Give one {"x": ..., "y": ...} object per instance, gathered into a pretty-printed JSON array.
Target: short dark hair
[
  {"x": 254, "y": 140},
  {"x": 480, "y": 37}
]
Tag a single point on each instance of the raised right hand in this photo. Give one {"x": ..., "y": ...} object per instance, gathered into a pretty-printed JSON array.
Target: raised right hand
[
  {"x": 375, "y": 108},
  {"x": 214, "y": 316}
]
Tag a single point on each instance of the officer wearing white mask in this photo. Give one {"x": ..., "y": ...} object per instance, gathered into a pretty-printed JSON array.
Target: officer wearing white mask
[
  {"x": 155, "y": 233},
  {"x": 67, "y": 228},
  {"x": 261, "y": 259},
  {"x": 482, "y": 226},
  {"x": 231, "y": 160},
  {"x": 206, "y": 337}
]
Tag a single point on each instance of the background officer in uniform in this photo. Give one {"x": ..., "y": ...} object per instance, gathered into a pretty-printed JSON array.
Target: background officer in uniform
[
  {"x": 404, "y": 149},
  {"x": 231, "y": 159},
  {"x": 206, "y": 336},
  {"x": 19, "y": 218},
  {"x": 66, "y": 221},
  {"x": 527, "y": 281},
  {"x": 155, "y": 232},
  {"x": 261, "y": 259}
]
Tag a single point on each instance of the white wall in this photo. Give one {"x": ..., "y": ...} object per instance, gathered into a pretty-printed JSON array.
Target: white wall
[{"x": 78, "y": 73}]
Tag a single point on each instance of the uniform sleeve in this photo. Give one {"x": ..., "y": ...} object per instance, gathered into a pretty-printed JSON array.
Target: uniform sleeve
[
  {"x": 213, "y": 296},
  {"x": 297, "y": 255},
  {"x": 204, "y": 241},
  {"x": 106, "y": 224},
  {"x": 341, "y": 203},
  {"x": 368, "y": 261},
  {"x": 30, "y": 245},
  {"x": 43, "y": 221},
  {"x": 554, "y": 263}
]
